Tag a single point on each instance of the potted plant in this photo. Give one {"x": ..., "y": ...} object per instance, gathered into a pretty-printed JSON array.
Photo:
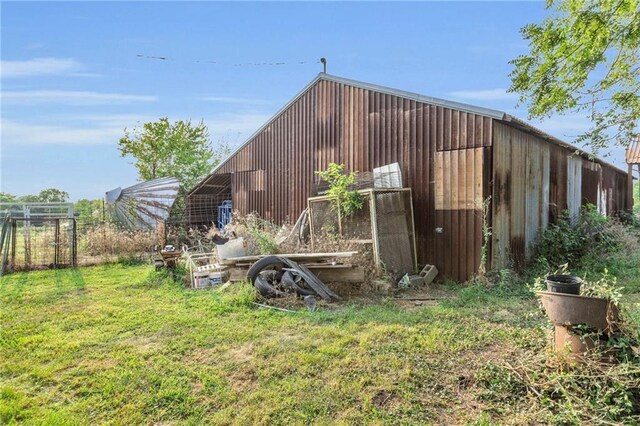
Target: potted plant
[{"x": 563, "y": 282}]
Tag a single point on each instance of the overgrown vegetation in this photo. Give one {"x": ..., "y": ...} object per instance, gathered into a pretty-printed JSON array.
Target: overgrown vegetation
[
  {"x": 345, "y": 200},
  {"x": 588, "y": 243},
  {"x": 260, "y": 234},
  {"x": 539, "y": 386},
  {"x": 486, "y": 236},
  {"x": 107, "y": 241}
]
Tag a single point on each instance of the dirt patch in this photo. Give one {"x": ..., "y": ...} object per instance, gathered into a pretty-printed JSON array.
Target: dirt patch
[
  {"x": 243, "y": 353},
  {"x": 202, "y": 356},
  {"x": 383, "y": 399},
  {"x": 143, "y": 343},
  {"x": 415, "y": 298},
  {"x": 243, "y": 380},
  {"x": 461, "y": 382}
]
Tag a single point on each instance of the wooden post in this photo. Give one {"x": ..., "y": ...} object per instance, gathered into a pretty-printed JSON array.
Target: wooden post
[
  {"x": 374, "y": 228},
  {"x": 630, "y": 188}
]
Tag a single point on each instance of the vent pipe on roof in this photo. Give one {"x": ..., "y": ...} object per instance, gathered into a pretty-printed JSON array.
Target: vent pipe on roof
[{"x": 324, "y": 64}]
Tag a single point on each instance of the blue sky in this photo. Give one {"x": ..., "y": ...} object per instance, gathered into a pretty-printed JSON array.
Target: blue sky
[{"x": 72, "y": 79}]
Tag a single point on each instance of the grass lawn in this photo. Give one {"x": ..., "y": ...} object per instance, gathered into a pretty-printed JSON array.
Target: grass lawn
[{"x": 123, "y": 345}]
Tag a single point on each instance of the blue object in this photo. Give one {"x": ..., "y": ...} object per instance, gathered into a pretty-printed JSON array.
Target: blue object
[{"x": 224, "y": 213}]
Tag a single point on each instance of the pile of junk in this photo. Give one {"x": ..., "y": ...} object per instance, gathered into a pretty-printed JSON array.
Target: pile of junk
[
  {"x": 222, "y": 260},
  {"x": 376, "y": 241}
]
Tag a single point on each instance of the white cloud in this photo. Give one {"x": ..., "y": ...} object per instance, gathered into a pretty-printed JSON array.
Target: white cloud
[
  {"x": 233, "y": 100},
  {"x": 235, "y": 126},
  {"x": 484, "y": 95},
  {"x": 96, "y": 129},
  {"x": 61, "y": 130},
  {"x": 71, "y": 98},
  {"x": 38, "y": 66},
  {"x": 565, "y": 127}
]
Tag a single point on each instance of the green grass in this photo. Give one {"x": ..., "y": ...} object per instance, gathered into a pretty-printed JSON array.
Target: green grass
[{"x": 125, "y": 345}]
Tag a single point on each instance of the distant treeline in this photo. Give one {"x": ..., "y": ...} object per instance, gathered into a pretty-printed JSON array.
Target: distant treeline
[{"x": 87, "y": 211}]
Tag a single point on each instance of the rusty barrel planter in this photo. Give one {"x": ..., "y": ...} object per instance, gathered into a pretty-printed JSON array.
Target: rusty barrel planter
[
  {"x": 572, "y": 309},
  {"x": 569, "y": 310}
]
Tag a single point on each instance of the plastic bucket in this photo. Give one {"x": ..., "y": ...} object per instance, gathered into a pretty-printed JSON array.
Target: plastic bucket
[
  {"x": 567, "y": 284},
  {"x": 201, "y": 279}
]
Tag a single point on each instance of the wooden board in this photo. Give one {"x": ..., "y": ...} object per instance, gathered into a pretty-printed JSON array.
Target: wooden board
[{"x": 292, "y": 256}]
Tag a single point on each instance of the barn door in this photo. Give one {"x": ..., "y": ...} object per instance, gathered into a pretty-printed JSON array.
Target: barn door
[{"x": 460, "y": 188}]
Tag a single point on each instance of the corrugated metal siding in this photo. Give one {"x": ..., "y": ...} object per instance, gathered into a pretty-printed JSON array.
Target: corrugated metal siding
[
  {"x": 459, "y": 195},
  {"x": 534, "y": 181},
  {"x": 363, "y": 129}
]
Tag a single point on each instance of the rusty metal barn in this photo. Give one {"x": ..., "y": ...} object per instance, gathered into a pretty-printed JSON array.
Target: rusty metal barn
[{"x": 453, "y": 156}]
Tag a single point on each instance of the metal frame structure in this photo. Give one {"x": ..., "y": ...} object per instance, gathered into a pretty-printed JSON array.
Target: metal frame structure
[
  {"x": 31, "y": 219},
  {"x": 382, "y": 214}
]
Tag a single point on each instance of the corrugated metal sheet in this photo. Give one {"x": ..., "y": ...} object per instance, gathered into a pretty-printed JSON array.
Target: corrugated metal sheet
[
  {"x": 363, "y": 129},
  {"x": 534, "y": 182},
  {"x": 633, "y": 153}
]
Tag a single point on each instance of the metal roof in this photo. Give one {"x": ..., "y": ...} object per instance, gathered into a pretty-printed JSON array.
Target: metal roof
[
  {"x": 144, "y": 204},
  {"x": 633, "y": 152},
  {"x": 487, "y": 112}
]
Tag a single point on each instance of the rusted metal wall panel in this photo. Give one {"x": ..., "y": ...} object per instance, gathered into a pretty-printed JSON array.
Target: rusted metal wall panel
[
  {"x": 534, "y": 181},
  {"x": 363, "y": 129},
  {"x": 459, "y": 195},
  {"x": 501, "y": 198},
  {"x": 574, "y": 185}
]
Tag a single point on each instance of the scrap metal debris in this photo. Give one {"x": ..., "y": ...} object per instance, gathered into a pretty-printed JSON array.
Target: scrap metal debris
[
  {"x": 146, "y": 204},
  {"x": 277, "y": 276}
]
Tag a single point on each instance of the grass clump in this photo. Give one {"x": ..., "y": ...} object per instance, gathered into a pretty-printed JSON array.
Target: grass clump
[{"x": 540, "y": 387}]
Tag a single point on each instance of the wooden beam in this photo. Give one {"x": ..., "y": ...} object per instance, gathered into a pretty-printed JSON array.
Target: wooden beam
[
  {"x": 630, "y": 188},
  {"x": 292, "y": 256}
]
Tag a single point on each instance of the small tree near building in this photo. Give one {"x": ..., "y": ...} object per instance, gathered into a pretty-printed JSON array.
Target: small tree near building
[{"x": 179, "y": 149}]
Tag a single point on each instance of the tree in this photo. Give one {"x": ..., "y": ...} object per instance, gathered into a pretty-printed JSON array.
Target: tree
[
  {"x": 584, "y": 57},
  {"x": 5, "y": 197},
  {"x": 89, "y": 211},
  {"x": 49, "y": 195},
  {"x": 52, "y": 195},
  {"x": 177, "y": 149}
]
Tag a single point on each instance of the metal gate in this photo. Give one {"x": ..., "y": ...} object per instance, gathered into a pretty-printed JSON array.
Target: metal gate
[{"x": 38, "y": 244}]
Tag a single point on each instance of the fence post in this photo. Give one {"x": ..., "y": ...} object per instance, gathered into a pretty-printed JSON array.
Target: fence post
[
  {"x": 14, "y": 231},
  {"x": 56, "y": 245},
  {"x": 74, "y": 244}
]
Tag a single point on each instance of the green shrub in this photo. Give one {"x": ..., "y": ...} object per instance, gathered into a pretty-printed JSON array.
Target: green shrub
[
  {"x": 571, "y": 241},
  {"x": 262, "y": 232}
]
